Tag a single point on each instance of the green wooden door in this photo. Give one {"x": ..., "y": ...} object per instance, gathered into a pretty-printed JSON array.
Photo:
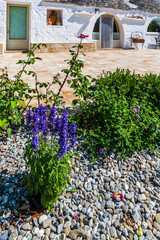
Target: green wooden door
[{"x": 17, "y": 27}]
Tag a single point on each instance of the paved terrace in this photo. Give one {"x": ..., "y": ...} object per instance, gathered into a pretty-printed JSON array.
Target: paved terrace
[{"x": 142, "y": 61}]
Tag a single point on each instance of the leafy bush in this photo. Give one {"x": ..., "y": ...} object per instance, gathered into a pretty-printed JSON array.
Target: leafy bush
[
  {"x": 48, "y": 153},
  {"x": 11, "y": 101},
  {"x": 121, "y": 112}
]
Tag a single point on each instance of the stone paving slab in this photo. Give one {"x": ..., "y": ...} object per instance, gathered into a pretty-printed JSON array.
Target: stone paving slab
[{"x": 142, "y": 61}]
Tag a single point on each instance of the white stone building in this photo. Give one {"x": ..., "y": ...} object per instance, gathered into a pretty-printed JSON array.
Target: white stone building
[{"x": 109, "y": 23}]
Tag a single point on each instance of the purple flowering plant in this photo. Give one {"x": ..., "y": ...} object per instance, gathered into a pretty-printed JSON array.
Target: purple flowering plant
[{"x": 48, "y": 152}]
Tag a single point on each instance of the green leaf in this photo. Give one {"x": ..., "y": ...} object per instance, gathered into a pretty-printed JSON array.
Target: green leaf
[
  {"x": 32, "y": 60},
  {"x": 9, "y": 131},
  {"x": 2, "y": 122},
  {"x": 21, "y": 102},
  {"x": 14, "y": 104}
]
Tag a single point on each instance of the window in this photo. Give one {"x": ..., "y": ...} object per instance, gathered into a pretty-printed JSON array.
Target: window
[
  {"x": 54, "y": 17},
  {"x": 154, "y": 26},
  {"x": 115, "y": 30},
  {"x": 95, "y": 35}
]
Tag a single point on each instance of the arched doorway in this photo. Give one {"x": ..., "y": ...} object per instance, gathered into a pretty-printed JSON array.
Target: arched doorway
[{"x": 106, "y": 32}]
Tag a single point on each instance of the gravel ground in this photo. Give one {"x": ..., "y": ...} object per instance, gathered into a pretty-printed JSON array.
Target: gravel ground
[{"x": 109, "y": 199}]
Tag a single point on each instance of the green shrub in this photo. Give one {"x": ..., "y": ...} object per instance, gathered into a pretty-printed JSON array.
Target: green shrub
[{"x": 111, "y": 116}]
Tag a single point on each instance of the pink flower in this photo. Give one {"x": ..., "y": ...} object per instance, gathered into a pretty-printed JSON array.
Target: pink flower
[
  {"x": 138, "y": 107},
  {"x": 121, "y": 197},
  {"x": 134, "y": 109},
  {"x": 101, "y": 150},
  {"x": 118, "y": 117},
  {"x": 76, "y": 218},
  {"x": 146, "y": 128},
  {"x": 14, "y": 137},
  {"x": 137, "y": 115},
  {"x": 82, "y": 36},
  {"x": 114, "y": 195}
]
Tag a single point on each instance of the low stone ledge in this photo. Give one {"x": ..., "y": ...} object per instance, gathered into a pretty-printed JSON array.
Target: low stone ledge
[
  {"x": 64, "y": 47},
  {"x": 1, "y": 48}
]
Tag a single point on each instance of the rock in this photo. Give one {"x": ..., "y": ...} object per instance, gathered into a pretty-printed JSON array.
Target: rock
[
  {"x": 144, "y": 225},
  {"x": 35, "y": 222},
  {"x": 125, "y": 208},
  {"x": 46, "y": 223},
  {"x": 110, "y": 204},
  {"x": 136, "y": 217},
  {"x": 77, "y": 232},
  {"x": 19, "y": 237},
  {"x": 62, "y": 236},
  {"x": 13, "y": 236},
  {"x": 149, "y": 234},
  {"x": 38, "y": 232},
  {"x": 125, "y": 232},
  {"x": 4, "y": 236},
  {"x": 42, "y": 218},
  {"x": 129, "y": 195},
  {"x": 157, "y": 218},
  {"x": 59, "y": 228},
  {"x": 113, "y": 232},
  {"x": 35, "y": 238},
  {"x": 26, "y": 227},
  {"x": 149, "y": 224},
  {"x": 157, "y": 226},
  {"x": 67, "y": 224},
  {"x": 74, "y": 208},
  {"x": 52, "y": 236},
  {"x": 47, "y": 231}
]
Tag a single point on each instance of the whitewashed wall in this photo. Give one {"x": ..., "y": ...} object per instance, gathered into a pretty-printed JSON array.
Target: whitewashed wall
[{"x": 73, "y": 23}]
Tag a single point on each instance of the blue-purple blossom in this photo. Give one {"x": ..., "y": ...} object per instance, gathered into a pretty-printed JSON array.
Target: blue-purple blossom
[
  {"x": 52, "y": 117},
  {"x": 63, "y": 135},
  {"x": 29, "y": 117},
  {"x": 35, "y": 143},
  {"x": 41, "y": 123}
]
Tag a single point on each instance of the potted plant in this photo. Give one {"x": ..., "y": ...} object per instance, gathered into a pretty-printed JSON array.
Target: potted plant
[{"x": 138, "y": 40}]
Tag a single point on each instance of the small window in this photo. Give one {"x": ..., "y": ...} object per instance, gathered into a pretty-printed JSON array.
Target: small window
[
  {"x": 54, "y": 17},
  {"x": 95, "y": 35},
  {"x": 154, "y": 26},
  {"x": 115, "y": 31}
]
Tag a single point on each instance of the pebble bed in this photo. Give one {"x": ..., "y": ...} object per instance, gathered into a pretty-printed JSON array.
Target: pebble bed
[{"x": 92, "y": 207}]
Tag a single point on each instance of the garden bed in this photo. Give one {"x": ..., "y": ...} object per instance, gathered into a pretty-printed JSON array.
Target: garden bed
[{"x": 92, "y": 207}]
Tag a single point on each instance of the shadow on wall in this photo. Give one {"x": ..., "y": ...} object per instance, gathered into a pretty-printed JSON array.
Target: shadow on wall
[
  {"x": 152, "y": 46},
  {"x": 81, "y": 21}
]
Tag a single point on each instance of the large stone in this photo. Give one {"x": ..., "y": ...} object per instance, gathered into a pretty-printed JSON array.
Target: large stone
[
  {"x": 157, "y": 218},
  {"x": 26, "y": 227},
  {"x": 157, "y": 226},
  {"x": 4, "y": 236},
  {"x": 42, "y": 218},
  {"x": 136, "y": 217},
  {"x": 75, "y": 233},
  {"x": 59, "y": 228},
  {"x": 46, "y": 223}
]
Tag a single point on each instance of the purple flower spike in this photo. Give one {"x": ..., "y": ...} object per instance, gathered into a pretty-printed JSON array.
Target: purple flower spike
[
  {"x": 146, "y": 128},
  {"x": 34, "y": 143},
  {"x": 135, "y": 110},
  {"x": 101, "y": 150},
  {"x": 137, "y": 115},
  {"x": 138, "y": 107}
]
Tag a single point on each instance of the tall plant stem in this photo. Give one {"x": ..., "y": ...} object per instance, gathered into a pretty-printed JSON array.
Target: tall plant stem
[{"x": 67, "y": 74}]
